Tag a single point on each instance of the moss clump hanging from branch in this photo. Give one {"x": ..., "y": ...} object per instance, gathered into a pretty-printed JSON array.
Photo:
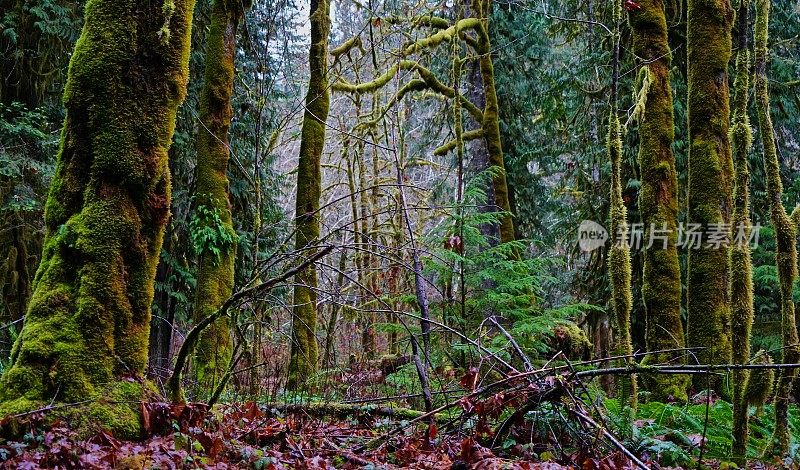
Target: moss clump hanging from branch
[
  {"x": 658, "y": 199},
  {"x": 619, "y": 257},
  {"x": 785, "y": 231},
  {"x": 710, "y": 183},
  {"x": 742, "y": 309},
  {"x": 303, "y": 359},
  {"x": 215, "y": 267},
  {"x": 85, "y": 334}
]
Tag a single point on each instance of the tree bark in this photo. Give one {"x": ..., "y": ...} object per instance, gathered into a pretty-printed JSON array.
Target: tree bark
[
  {"x": 619, "y": 256},
  {"x": 88, "y": 320},
  {"x": 303, "y": 360},
  {"x": 658, "y": 198},
  {"x": 216, "y": 264},
  {"x": 742, "y": 308},
  {"x": 785, "y": 232},
  {"x": 710, "y": 182}
]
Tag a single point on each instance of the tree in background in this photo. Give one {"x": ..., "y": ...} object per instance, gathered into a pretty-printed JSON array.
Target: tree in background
[
  {"x": 213, "y": 232},
  {"x": 742, "y": 311},
  {"x": 303, "y": 360},
  {"x": 785, "y": 231},
  {"x": 619, "y": 256},
  {"x": 87, "y": 324},
  {"x": 709, "y": 184}
]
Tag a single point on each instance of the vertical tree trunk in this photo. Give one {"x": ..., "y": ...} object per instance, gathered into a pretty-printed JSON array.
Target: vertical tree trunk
[
  {"x": 619, "y": 257},
  {"x": 710, "y": 182},
  {"x": 658, "y": 199},
  {"x": 216, "y": 262},
  {"x": 741, "y": 262},
  {"x": 482, "y": 9},
  {"x": 88, "y": 320},
  {"x": 303, "y": 361},
  {"x": 785, "y": 231}
]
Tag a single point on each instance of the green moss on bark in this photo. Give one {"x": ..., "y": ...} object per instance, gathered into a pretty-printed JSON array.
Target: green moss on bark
[
  {"x": 742, "y": 310},
  {"x": 658, "y": 198},
  {"x": 619, "y": 256},
  {"x": 785, "y": 232},
  {"x": 89, "y": 315},
  {"x": 303, "y": 358},
  {"x": 215, "y": 270},
  {"x": 710, "y": 181},
  {"x": 491, "y": 121}
]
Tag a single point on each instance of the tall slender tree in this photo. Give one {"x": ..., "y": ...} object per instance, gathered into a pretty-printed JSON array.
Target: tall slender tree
[
  {"x": 87, "y": 324},
  {"x": 710, "y": 183},
  {"x": 742, "y": 309},
  {"x": 303, "y": 359},
  {"x": 619, "y": 256},
  {"x": 213, "y": 213},
  {"x": 658, "y": 198},
  {"x": 785, "y": 231}
]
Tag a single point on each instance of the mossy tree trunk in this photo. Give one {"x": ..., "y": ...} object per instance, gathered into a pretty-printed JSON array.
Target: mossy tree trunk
[
  {"x": 619, "y": 256},
  {"x": 658, "y": 198},
  {"x": 785, "y": 231},
  {"x": 303, "y": 359},
  {"x": 742, "y": 309},
  {"x": 710, "y": 183},
  {"x": 216, "y": 261},
  {"x": 88, "y": 319},
  {"x": 482, "y": 10}
]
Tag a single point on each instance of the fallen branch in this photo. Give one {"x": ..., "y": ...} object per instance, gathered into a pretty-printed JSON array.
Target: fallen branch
[{"x": 187, "y": 348}]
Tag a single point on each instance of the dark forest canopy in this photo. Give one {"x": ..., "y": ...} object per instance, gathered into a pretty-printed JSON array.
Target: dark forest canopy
[{"x": 404, "y": 234}]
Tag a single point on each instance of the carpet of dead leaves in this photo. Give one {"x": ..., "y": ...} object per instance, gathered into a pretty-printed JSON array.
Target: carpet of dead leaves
[{"x": 251, "y": 436}]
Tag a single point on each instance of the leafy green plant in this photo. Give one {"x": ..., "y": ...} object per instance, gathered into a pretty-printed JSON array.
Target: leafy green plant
[{"x": 207, "y": 231}]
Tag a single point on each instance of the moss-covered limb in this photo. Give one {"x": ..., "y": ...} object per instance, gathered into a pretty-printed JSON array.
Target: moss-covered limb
[
  {"x": 428, "y": 81},
  {"x": 491, "y": 121},
  {"x": 658, "y": 198},
  {"x": 710, "y": 185},
  {"x": 455, "y": 143},
  {"x": 345, "y": 410},
  {"x": 445, "y": 35},
  {"x": 742, "y": 310},
  {"x": 785, "y": 230},
  {"x": 88, "y": 319},
  {"x": 215, "y": 268},
  {"x": 347, "y": 46},
  {"x": 303, "y": 356}
]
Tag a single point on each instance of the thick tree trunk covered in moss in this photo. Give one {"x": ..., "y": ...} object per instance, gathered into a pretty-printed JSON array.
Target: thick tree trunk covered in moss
[
  {"x": 785, "y": 231},
  {"x": 658, "y": 199},
  {"x": 619, "y": 256},
  {"x": 303, "y": 361},
  {"x": 742, "y": 309},
  {"x": 215, "y": 268},
  {"x": 710, "y": 182},
  {"x": 88, "y": 320}
]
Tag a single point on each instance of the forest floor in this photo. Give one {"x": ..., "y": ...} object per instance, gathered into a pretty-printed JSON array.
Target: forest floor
[{"x": 255, "y": 436}]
